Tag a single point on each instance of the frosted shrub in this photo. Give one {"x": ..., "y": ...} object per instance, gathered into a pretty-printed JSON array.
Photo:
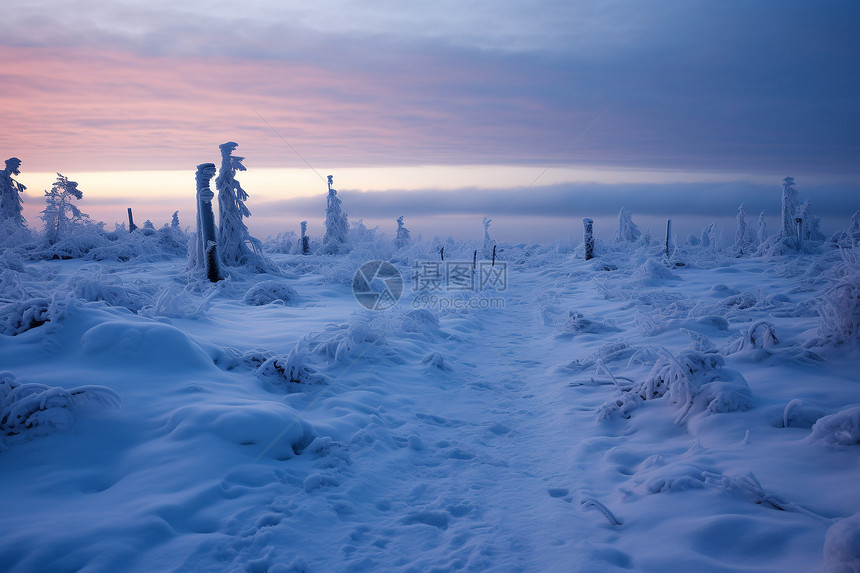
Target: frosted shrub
[
  {"x": 292, "y": 369},
  {"x": 839, "y": 307},
  {"x": 37, "y": 409},
  {"x": 285, "y": 242},
  {"x": 696, "y": 382},
  {"x": 267, "y": 292}
]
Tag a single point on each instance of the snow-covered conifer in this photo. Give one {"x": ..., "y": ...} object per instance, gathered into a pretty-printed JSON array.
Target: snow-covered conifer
[
  {"x": 762, "y": 227},
  {"x": 488, "y": 242},
  {"x": 742, "y": 244},
  {"x": 10, "y": 194},
  {"x": 174, "y": 221},
  {"x": 402, "y": 239},
  {"x": 789, "y": 210},
  {"x": 236, "y": 246},
  {"x": 336, "y": 222},
  {"x": 628, "y": 231},
  {"x": 60, "y": 216}
]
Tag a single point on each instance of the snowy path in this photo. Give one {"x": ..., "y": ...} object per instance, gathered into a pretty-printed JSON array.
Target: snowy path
[{"x": 462, "y": 469}]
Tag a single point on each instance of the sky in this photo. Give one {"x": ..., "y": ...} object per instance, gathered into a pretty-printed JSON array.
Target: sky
[{"x": 536, "y": 114}]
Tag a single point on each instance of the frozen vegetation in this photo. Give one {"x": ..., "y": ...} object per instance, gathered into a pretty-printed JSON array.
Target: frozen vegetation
[{"x": 696, "y": 410}]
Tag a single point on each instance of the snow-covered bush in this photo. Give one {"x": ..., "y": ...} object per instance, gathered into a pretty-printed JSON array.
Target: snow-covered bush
[
  {"x": 697, "y": 382},
  {"x": 839, "y": 306},
  {"x": 267, "y": 292},
  {"x": 284, "y": 242},
  {"x": 292, "y": 369},
  {"x": 37, "y": 409}
]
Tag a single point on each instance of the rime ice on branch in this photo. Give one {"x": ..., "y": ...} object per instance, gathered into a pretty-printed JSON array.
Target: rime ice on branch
[
  {"x": 336, "y": 222},
  {"x": 10, "y": 194}
]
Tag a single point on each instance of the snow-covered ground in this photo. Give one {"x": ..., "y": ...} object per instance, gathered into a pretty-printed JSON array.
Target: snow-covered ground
[{"x": 623, "y": 413}]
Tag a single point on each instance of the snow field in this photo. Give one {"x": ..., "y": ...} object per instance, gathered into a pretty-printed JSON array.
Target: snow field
[{"x": 313, "y": 435}]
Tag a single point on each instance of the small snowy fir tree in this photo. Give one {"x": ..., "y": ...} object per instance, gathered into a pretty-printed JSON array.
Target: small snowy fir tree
[
  {"x": 60, "y": 216},
  {"x": 762, "y": 228},
  {"x": 10, "y": 194},
  {"x": 336, "y": 223},
  {"x": 236, "y": 246},
  {"x": 402, "y": 239},
  {"x": 628, "y": 231},
  {"x": 790, "y": 205},
  {"x": 487, "y": 249},
  {"x": 174, "y": 221},
  {"x": 744, "y": 240}
]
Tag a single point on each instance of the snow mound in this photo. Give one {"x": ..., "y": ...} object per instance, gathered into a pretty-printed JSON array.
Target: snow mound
[
  {"x": 842, "y": 546},
  {"x": 274, "y": 428},
  {"x": 841, "y": 428},
  {"x": 153, "y": 346},
  {"x": 652, "y": 273}
]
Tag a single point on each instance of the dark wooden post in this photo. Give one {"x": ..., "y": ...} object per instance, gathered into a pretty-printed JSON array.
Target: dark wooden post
[
  {"x": 668, "y": 235},
  {"x": 589, "y": 238},
  {"x": 131, "y": 225}
]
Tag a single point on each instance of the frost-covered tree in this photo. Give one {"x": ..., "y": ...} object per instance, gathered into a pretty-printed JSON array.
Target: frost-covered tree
[
  {"x": 628, "y": 231},
  {"x": 305, "y": 240},
  {"x": 402, "y": 239},
  {"x": 61, "y": 216},
  {"x": 10, "y": 195},
  {"x": 709, "y": 237},
  {"x": 789, "y": 210},
  {"x": 762, "y": 228},
  {"x": 174, "y": 221},
  {"x": 236, "y": 246},
  {"x": 488, "y": 242},
  {"x": 336, "y": 222},
  {"x": 810, "y": 223},
  {"x": 744, "y": 237}
]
